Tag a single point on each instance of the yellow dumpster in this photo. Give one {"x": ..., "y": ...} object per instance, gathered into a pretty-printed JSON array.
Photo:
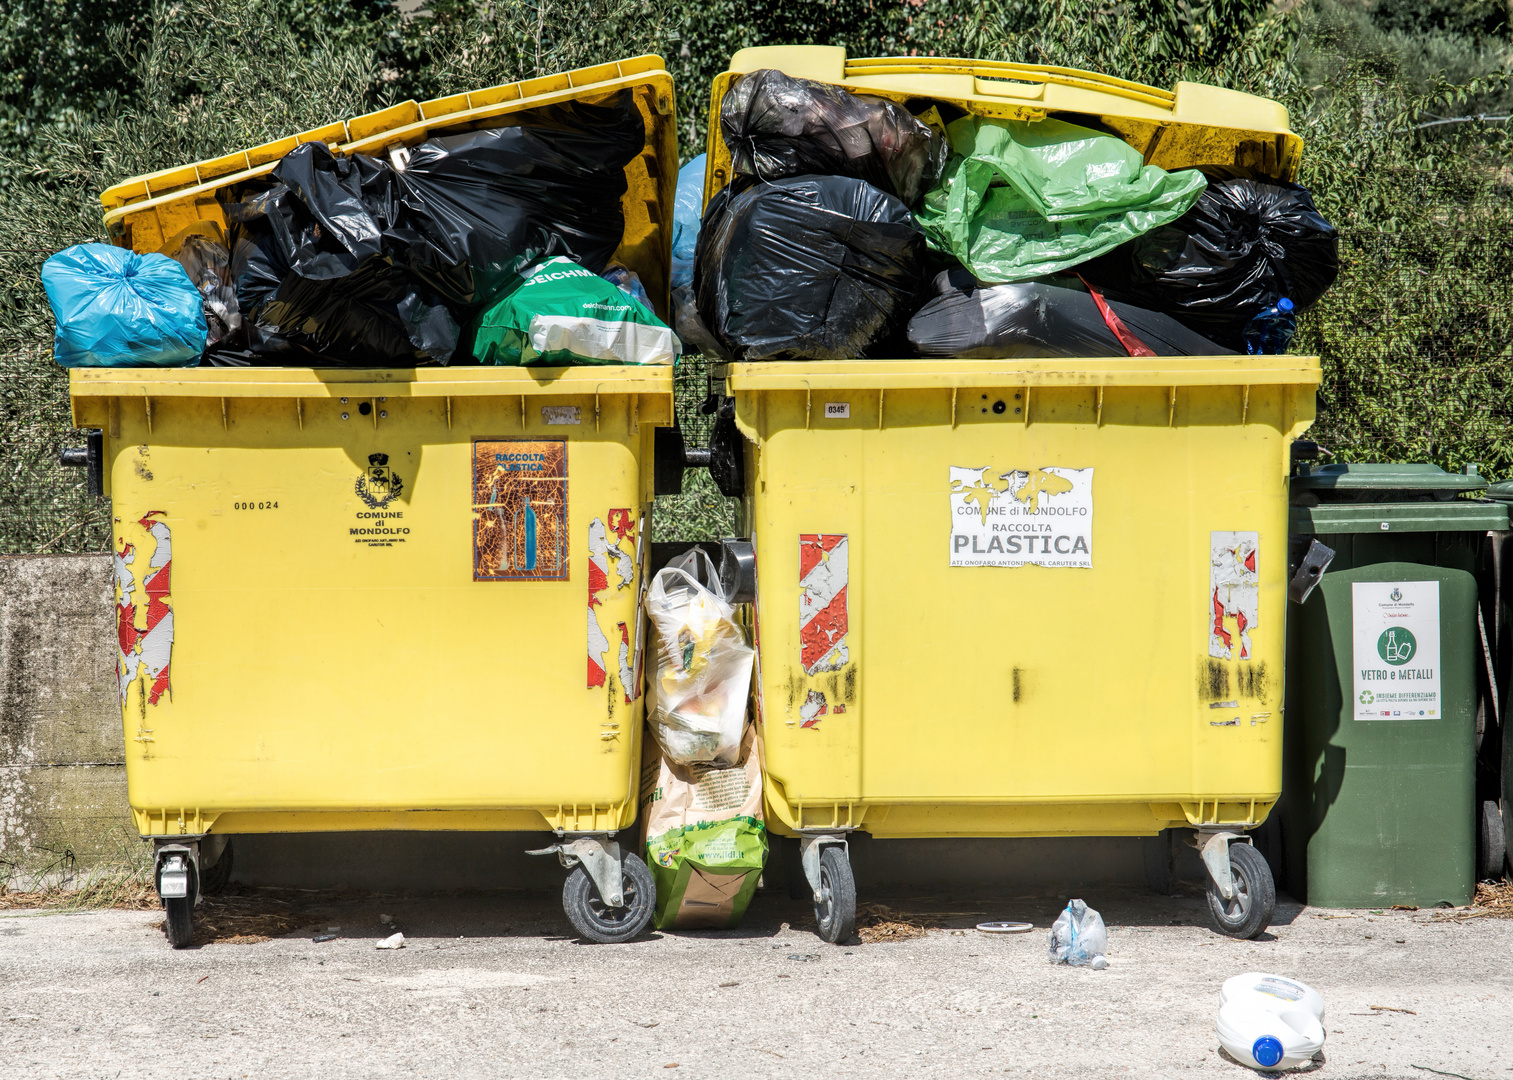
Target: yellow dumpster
[
  {"x": 1024, "y": 597},
  {"x": 353, "y": 599}
]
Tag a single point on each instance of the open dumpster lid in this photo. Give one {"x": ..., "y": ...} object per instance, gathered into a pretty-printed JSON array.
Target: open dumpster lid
[
  {"x": 1191, "y": 125},
  {"x": 143, "y": 213}
]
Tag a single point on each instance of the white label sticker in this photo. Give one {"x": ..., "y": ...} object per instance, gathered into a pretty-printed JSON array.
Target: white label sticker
[
  {"x": 837, "y": 410},
  {"x": 561, "y": 414},
  {"x": 1021, "y": 517},
  {"x": 1395, "y": 636}
]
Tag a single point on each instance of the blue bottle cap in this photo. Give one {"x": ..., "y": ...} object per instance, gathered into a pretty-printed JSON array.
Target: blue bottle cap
[
  {"x": 1284, "y": 304},
  {"x": 1267, "y": 1051}
]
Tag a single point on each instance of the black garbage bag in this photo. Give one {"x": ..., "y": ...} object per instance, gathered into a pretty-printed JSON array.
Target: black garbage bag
[
  {"x": 807, "y": 268},
  {"x": 373, "y": 263},
  {"x": 776, "y": 126},
  {"x": 1243, "y": 246},
  {"x": 1026, "y": 319},
  {"x": 314, "y": 273},
  {"x": 472, "y": 212}
]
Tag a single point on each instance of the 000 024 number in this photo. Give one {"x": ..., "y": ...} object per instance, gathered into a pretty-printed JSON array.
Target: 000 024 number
[{"x": 254, "y": 506}]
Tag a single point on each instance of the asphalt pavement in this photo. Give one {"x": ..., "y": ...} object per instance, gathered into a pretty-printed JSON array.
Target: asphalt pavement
[{"x": 494, "y": 985}]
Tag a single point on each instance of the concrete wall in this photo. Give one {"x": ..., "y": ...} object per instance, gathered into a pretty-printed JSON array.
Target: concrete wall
[
  {"x": 62, "y": 781},
  {"x": 63, "y": 786}
]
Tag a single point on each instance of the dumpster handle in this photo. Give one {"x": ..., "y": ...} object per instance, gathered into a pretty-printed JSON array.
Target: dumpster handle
[
  {"x": 1098, "y": 410},
  {"x": 880, "y": 394},
  {"x": 299, "y": 412},
  {"x": 953, "y": 408},
  {"x": 1244, "y": 403},
  {"x": 147, "y": 405}
]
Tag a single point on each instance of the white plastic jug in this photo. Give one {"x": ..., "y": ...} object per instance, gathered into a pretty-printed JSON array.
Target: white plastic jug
[{"x": 1269, "y": 1021}]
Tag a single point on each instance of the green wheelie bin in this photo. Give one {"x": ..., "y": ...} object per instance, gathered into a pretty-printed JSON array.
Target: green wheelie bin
[{"x": 1384, "y": 661}]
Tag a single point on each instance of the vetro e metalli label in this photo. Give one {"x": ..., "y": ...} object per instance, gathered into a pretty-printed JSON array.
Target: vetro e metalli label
[
  {"x": 1021, "y": 517},
  {"x": 1395, "y": 640}
]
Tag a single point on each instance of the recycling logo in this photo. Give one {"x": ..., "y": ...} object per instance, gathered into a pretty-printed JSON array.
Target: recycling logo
[{"x": 1367, "y": 697}]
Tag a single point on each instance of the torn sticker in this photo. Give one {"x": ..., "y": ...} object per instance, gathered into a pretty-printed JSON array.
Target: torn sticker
[
  {"x": 144, "y": 624},
  {"x": 812, "y": 709},
  {"x": 608, "y": 557},
  {"x": 1234, "y": 592},
  {"x": 823, "y": 618},
  {"x": 519, "y": 510},
  {"x": 1021, "y": 517}
]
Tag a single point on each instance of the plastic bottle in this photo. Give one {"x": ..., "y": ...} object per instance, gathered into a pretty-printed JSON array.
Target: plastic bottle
[
  {"x": 1270, "y": 1022},
  {"x": 1271, "y": 331}
]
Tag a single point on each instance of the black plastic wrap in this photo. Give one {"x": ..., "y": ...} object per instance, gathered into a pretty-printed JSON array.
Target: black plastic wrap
[
  {"x": 1243, "y": 246},
  {"x": 376, "y": 263},
  {"x": 313, "y": 274},
  {"x": 1027, "y": 319},
  {"x": 473, "y": 211},
  {"x": 776, "y": 126},
  {"x": 808, "y": 268}
]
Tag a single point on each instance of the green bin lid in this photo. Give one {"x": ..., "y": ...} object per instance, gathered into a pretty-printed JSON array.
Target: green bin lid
[
  {"x": 1502, "y": 491},
  {"x": 1374, "y": 480},
  {"x": 1460, "y": 515}
]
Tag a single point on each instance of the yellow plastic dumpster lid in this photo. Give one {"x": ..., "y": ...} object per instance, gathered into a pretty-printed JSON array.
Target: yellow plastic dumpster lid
[
  {"x": 1192, "y": 125},
  {"x": 143, "y": 213}
]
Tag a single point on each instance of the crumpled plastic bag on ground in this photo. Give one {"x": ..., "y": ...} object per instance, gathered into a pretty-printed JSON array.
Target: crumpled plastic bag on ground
[
  {"x": 777, "y": 126},
  {"x": 1025, "y": 319},
  {"x": 1244, "y": 246},
  {"x": 703, "y": 676},
  {"x": 1022, "y": 200},
  {"x": 115, "y": 308},
  {"x": 563, "y": 314},
  {"x": 808, "y": 268},
  {"x": 1078, "y": 937}
]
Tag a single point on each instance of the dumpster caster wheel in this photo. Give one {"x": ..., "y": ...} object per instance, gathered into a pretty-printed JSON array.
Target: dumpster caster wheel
[
  {"x": 596, "y": 920},
  {"x": 180, "y": 911},
  {"x": 1248, "y": 913},
  {"x": 835, "y": 910}
]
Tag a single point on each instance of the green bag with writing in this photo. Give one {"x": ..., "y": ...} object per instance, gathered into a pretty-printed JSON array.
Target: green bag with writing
[
  {"x": 706, "y": 842},
  {"x": 562, "y": 314}
]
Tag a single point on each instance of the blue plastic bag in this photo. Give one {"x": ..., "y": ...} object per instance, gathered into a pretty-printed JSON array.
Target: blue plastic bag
[
  {"x": 687, "y": 209},
  {"x": 115, "y": 308}
]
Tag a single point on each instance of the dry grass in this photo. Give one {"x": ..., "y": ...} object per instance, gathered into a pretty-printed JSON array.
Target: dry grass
[
  {"x": 122, "y": 888},
  {"x": 246, "y": 919},
  {"x": 879, "y": 922}
]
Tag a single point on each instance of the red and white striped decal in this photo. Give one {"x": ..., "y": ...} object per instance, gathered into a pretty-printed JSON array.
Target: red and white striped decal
[
  {"x": 823, "y": 619},
  {"x": 145, "y": 654}
]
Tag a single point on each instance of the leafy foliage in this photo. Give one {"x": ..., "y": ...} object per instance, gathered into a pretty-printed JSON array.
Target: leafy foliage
[{"x": 1390, "y": 96}]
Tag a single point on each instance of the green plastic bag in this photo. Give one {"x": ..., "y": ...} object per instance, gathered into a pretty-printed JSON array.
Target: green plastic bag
[
  {"x": 563, "y": 314},
  {"x": 706, "y": 842},
  {"x": 1027, "y": 199}
]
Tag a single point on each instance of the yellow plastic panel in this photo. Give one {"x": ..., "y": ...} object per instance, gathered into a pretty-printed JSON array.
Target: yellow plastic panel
[
  {"x": 991, "y": 689},
  {"x": 142, "y": 213},
  {"x": 337, "y": 645},
  {"x": 1190, "y": 126}
]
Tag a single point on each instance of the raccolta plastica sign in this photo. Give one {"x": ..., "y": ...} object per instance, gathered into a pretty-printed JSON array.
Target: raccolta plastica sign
[{"x": 1021, "y": 517}]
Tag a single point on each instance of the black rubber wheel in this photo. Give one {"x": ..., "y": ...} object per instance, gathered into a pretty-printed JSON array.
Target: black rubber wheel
[
  {"x": 835, "y": 910},
  {"x": 215, "y": 878},
  {"x": 1248, "y": 913},
  {"x": 1489, "y": 842},
  {"x": 180, "y": 920},
  {"x": 597, "y": 921}
]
